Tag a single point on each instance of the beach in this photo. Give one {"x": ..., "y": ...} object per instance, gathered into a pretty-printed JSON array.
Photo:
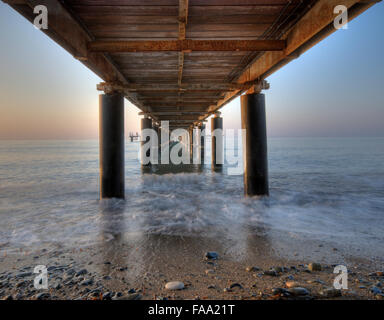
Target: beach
[{"x": 141, "y": 269}]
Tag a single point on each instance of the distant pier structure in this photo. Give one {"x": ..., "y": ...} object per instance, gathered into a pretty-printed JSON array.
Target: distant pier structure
[
  {"x": 183, "y": 60},
  {"x": 134, "y": 136}
]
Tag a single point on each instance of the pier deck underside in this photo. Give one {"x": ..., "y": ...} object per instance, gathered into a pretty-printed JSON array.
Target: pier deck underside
[{"x": 182, "y": 60}]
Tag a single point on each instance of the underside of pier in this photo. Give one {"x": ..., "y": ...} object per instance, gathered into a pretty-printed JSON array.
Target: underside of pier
[{"x": 181, "y": 60}]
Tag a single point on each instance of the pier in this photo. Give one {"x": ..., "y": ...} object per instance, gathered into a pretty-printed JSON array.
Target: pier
[
  {"x": 181, "y": 61},
  {"x": 133, "y": 136}
]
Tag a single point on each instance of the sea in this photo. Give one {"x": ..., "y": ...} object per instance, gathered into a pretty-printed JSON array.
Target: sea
[{"x": 322, "y": 190}]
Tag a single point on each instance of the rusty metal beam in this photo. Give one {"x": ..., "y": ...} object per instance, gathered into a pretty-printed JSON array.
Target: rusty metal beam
[
  {"x": 179, "y": 118},
  {"x": 183, "y": 18},
  {"x": 184, "y": 87},
  {"x": 172, "y": 113},
  {"x": 181, "y": 68},
  {"x": 186, "y": 45},
  {"x": 184, "y": 110}
]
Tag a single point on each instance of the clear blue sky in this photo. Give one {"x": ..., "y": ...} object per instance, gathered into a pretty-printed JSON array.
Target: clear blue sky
[{"x": 335, "y": 89}]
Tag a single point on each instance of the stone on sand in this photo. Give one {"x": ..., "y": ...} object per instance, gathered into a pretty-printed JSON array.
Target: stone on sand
[
  {"x": 375, "y": 290},
  {"x": 252, "y": 269},
  {"x": 298, "y": 291},
  {"x": 81, "y": 272},
  {"x": 271, "y": 273},
  {"x": 174, "y": 285},
  {"x": 313, "y": 266},
  {"x": 211, "y": 255},
  {"x": 235, "y": 285},
  {"x": 291, "y": 284},
  {"x": 330, "y": 292},
  {"x": 43, "y": 295}
]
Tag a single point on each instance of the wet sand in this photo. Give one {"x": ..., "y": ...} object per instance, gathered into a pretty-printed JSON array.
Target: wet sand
[{"x": 139, "y": 266}]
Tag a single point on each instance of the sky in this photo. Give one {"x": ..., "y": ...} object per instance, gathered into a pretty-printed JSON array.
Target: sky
[{"x": 334, "y": 89}]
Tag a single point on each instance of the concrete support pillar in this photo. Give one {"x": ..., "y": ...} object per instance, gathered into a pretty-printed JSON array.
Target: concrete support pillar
[
  {"x": 146, "y": 123},
  {"x": 191, "y": 132},
  {"x": 164, "y": 142},
  {"x": 111, "y": 132},
  {"x": 202, "y": 143},
  {"x": 156, "y": 127},
  {"x": 217, "y": 141},
  {"x": 253, "y": 120}
]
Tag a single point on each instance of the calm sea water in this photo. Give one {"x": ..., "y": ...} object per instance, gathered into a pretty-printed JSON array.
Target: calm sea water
[{"x": 321, "y": 189}]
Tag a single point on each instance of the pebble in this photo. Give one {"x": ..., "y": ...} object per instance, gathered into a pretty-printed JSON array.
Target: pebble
[
  {"x": 313, "y": 266},
  {"x": 107, "y": 296},
  {"x": 236, "y": 285},
  {"x": 291, "y": 284},
  {"x": 24, "y": 274},
  {"x": 319, "y": 281},
  {"x": 330, "y": 293},
  {"x": 375, "y": 290},
  {"x": 71, "y": 272},
  {"x": 174, "y": 285},
  {"x": 133, "y": 296},
  {"x": 271, "y": 273},
  {"x": 56, "y": 286},
  {"x": 276, "y": 291},
  {"x": 82, "y": 272},
  {"x": 86, "y": 282},
  {"x": 211, "y": 255},
  {"x": 298, "y": 291},
  {"x": 19, "y": 296},
  {"x": 21, "y": 284},
  {"x": 86, "y": 290},
  {"x": 252, "y": 269},
  {"x": 107, "y": 278},
  {"x": 94, "y": 294},
  {"x": 209, "y": 271},
  {"x": 43, "y": 295},
  {"x": 212, "y": 286}
]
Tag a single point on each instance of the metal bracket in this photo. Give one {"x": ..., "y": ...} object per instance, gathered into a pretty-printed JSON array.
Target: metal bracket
[
  {"x": 262, "y": 85},
  {"x": 110, "y": 87}
]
